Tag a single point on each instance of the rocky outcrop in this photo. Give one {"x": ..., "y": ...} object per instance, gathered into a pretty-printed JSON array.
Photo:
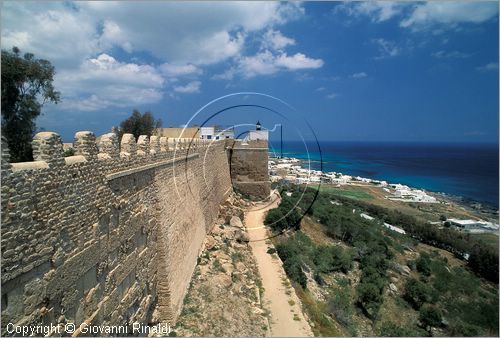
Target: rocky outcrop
[{"x": 224, "y": 295}]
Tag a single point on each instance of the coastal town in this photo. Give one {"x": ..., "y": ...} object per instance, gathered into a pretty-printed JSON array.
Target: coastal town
[{"x": 296, "y": 171}]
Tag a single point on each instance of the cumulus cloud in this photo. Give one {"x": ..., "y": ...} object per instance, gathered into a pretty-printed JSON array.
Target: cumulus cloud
[
  {"x": 198, "y": 33},
  {"x": 332, "y": 96},
  {"x": 175, "y": 70},
  {"x": 119, "y": 84},
  {"x": 62, "y": 36},
  {"x": 489, "y": 67},
  {"x": 298, "y": 61},
  {"x": 422, "y": 15},
  {"x": 359, "y": 75},
  {"x": 267, "y": 63},
  {"x": 450, "y": 13},
  {"x": 275, "y": 40},
  {"x": 183, "y": 38},
  {"x": 192, "y": 87},
  {"x": 386, "y": 48},
  {"x": 377, "y": 11}
]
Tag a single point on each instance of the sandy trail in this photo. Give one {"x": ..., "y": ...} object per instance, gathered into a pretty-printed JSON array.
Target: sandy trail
[{"x": 287, "y": 319}]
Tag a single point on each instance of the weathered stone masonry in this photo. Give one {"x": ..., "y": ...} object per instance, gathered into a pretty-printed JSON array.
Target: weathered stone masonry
[
  {"x": 110, "y": 234},
  {"x": 248, "y": 165}
]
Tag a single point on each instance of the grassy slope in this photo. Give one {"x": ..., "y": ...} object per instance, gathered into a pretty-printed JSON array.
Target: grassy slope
[{"x": 461, "y": 294}]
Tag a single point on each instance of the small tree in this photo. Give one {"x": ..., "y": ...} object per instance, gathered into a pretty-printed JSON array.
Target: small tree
[
  {"x": 430, "y": 315},
  {"x": 418, "y": 293},
  {"x": 26, "y": 87},
  {"x": 139, "y": 124},
  {"x": 424, "y": 264}
]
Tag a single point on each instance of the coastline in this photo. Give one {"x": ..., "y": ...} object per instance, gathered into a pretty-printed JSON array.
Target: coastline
[
  {"x": 485, "y": 209},
  {"x": 467, "y": 172}
]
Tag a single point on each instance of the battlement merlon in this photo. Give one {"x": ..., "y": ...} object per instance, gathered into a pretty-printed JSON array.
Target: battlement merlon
[
  {"x": 109, "y": 146},
  {"x": 48, "y": 149},
  {"x": 85, "y": 145}
]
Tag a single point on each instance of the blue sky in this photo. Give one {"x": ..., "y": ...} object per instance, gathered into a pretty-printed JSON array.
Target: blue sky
[{"x": 364, "y": 71}]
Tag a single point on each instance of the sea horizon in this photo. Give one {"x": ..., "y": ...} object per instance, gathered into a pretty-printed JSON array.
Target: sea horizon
[{"x": 467, "y": 170}]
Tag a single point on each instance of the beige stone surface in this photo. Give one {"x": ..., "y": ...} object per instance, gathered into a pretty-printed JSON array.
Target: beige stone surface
[
  {"x": 249, "y": 172},
  {"x": 224, "y": 296},
  {"x": 287, "y": 318},
  {"x": 109, "y": 235}
]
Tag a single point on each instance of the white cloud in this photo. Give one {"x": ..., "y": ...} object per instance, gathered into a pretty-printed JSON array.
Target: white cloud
[
  {"x": 320, "y": 89},
  {"x": 198, "y": 33},
  {"x": 267, "y": 63},
  {"x": 455, "y": 54},
  {"x": 104, "y": 82},
  {"x": 113, "y": 35},
  {"x": 275, "y": 40},
  {"x": 378, "y": 11},
  {"x": 359, "y": 75},
  {"x": 61, "y": 36},
  {"x": 332, "y": 96},
  {"x": 298, "y": 61},
  {"x": 183, "y": 37},
  {"x": 192, "y": 87},
  {"x": 423, "y": 15},
  {"x": 177, "y": 32},
  {"x": 259, "y": 64},
  {"x": 430, "y": 13},
  {"x": 180, "y": 69},
  {"x": 490, "y": 67},
  {"x": 386, "y": 48}
]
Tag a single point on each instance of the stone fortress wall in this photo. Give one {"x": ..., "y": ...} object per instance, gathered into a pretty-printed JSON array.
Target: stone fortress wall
[
  {"x": 249, "y": 171},
  {"x": 110, "y": 235}
]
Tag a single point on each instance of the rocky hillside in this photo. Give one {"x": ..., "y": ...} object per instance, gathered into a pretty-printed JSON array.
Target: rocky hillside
[{"x": 224, "y": 298}]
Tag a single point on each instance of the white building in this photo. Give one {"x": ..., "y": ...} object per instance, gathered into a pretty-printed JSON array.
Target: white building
[
  {"x": 216, "y": 133},
  {"x": 258, "y": 133},
  {"x": 469, "y": 224}
]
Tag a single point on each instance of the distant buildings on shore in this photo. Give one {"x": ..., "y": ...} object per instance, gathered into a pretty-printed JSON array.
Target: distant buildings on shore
[
  {"x": 290, "y": 170},
  {"x": 213, "y": 133},
  {"x": 204, "y": 133},
  {"x": 471, "y": 225}
]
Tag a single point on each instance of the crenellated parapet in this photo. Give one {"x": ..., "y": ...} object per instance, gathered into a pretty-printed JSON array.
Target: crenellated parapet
[
  {"x": 154, "y": 145},
  {"x": 109, "y": 147},
  {"x": 85, "y": 145},
  {"x": 117, "y": 226},
  {"x": 143, "y": 145},
  {"x": 115, "y": 154},
  {"x": 48, "y": 147},
  {"x": 128, "y": 146},
  {"x": 163, "y": 144}
]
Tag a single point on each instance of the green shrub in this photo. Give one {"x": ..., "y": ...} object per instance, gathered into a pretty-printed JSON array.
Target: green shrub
[
  {"x": 271, "y": 251},
  {"x": 293, "y": 268},
  {"x": 430, "y": 315},
  {"x": 276, "y": 220},
  {"x": 423, "y": 264},
  {"x": 69, "y": 152},
  {"x": 329, "y": 258},
  {"x": 418, "y": 293},
  {"x": 370, "y": 298},
  {"x": 339, "y": 307}
]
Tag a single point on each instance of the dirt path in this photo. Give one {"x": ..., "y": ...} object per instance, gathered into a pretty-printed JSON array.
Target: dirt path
[{"x": 287, "y": 319}]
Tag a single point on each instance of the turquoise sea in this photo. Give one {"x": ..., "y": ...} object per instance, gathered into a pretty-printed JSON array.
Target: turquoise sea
[{"x": 466, "y": 170}]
